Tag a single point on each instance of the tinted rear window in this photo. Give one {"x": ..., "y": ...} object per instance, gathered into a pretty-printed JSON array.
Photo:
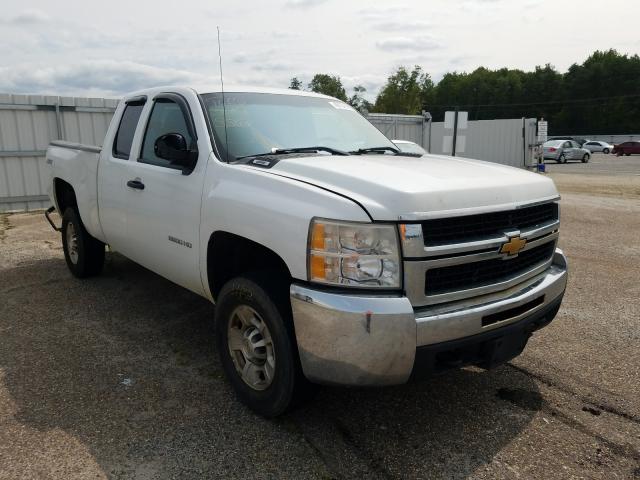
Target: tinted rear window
[{"x": 126, "y": 130}]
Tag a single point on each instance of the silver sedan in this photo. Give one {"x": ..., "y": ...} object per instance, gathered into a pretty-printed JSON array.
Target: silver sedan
[
  {"x": 597, "y": 146},
  {"x": 564, "y": 150}
]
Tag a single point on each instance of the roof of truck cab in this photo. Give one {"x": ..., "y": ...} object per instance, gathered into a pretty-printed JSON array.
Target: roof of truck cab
[
  {"x": 202, "y": 89},
  {"x": 245, "y": 89}
]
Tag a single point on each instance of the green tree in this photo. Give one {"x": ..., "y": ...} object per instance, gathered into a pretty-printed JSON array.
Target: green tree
[
  {"x": 295, "y": 84},
  {"x": 603, "y": 75},
  {"x": 358, "y": 101},
  {"x": 599, "y": 96},
  {"x": 329, "y": 85},
  {"x": 405, "y": 92}
]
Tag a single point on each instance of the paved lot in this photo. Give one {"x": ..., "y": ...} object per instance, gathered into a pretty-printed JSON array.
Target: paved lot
[{"x": 117, "y": 377}]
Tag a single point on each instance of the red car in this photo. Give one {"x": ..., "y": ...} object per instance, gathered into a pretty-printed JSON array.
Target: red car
[{"x": 626, "y": 148}]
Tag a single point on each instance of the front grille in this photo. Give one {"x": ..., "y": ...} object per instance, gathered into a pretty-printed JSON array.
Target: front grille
[
  {"x": 461, "y": 229},
  {"x": 485, "y": 272}
]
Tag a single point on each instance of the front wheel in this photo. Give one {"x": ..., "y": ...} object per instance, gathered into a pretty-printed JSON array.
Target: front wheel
[
  {"x": 605, "y": 151},
  {"x": 585, "y": 158},
  {"x": 83, "y": 253},
  {"x": 256, "y": 344}
]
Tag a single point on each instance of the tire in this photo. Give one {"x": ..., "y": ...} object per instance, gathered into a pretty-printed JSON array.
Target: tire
[
  {"x": 585, "y": 158},
  {"x": 605, "y": 151},
  {"x": 562, "y": 159},
  {"x": 83, "y": 253},
  {"x": 628, "y": 154},
  {"x": 274, "y": 383}
]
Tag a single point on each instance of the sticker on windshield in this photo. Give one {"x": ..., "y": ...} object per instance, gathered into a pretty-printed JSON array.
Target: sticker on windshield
[{"x": 340, "y": 106}]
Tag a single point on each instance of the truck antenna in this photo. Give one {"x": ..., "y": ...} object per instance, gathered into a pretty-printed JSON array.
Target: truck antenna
[{"x": 224, "y": 108}]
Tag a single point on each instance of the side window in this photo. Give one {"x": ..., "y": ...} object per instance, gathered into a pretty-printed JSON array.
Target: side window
[
  {"x": 166, "y": 117},
  {"x": 127, "y": 129},
  {"x": 566, "y": 145}
]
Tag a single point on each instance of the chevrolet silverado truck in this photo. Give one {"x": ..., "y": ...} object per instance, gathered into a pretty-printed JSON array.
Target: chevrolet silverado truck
[{"x": 331, "y": 257}]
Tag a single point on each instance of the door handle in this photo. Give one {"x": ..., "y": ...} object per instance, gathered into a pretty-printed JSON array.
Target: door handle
[{"x": 136, "y": 183}]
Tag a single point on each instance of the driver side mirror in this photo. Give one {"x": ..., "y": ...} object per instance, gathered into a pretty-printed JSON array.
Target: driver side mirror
[{"x": 173, "y": 147}]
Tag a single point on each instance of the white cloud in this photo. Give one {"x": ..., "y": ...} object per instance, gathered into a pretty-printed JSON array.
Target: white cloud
[
  {"x": 240, "y": 57},
  {"x": 381, "y": 13},
  {"x": 272, "y": 66},
  {"x": 304, "y": 3},
  {"x": 108, "y": 77},
  {"x": 394, "y": 44},
  {"x": 27, "y": 17},
  {"x": 402, "y": 25}
]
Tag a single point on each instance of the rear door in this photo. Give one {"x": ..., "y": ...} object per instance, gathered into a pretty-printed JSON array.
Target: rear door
[
  {"x": 113, "y": 169},
  {"x": 163, "y": 203}
]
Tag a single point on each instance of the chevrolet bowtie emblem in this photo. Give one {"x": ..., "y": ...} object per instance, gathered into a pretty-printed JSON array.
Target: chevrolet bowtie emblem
[{"x": 513, "y": 246}]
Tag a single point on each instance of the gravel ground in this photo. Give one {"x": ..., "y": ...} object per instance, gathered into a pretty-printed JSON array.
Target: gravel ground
[{"x": 117, "y": 377}]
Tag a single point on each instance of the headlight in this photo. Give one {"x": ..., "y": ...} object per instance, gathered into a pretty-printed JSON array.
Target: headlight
[{"x": 354, "y": 254}]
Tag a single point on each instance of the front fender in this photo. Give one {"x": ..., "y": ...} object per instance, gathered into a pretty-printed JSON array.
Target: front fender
[{"x": 270, "y": 210}]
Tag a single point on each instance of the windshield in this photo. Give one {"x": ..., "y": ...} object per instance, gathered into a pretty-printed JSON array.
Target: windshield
[{"x": 260, "y": 122}]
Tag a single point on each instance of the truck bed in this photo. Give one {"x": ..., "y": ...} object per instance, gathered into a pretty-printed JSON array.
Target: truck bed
[
  {"x": 76, "y": 146},
  {"x": 77, "y": 165}
]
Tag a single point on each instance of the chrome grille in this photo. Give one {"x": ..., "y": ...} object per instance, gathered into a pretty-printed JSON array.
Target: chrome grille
[
  {"x": 461, "y": 256},
  {"x": 485, "y": 272},
  {"x": 453, "y": 230}
]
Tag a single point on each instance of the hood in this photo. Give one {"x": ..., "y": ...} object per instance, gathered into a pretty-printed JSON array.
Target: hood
[{"x": 409, "y": 188}]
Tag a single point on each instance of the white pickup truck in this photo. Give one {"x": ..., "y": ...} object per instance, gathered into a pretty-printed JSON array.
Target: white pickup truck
[{"x": 332, "y": 257}]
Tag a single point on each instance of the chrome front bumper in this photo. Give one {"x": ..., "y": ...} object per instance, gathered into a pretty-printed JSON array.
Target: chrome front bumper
[{"x": 363, "y": 340}]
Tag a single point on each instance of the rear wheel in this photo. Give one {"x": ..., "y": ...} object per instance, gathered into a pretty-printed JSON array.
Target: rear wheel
[
  {"x": 585, "y": 158},
  {"x": 256, "y": 344},
  {"x": 562, "y": 159},
  {"x": 83, "y": 253}
]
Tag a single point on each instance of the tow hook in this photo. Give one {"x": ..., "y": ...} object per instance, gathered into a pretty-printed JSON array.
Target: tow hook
[{"x": 47, "y": 214}]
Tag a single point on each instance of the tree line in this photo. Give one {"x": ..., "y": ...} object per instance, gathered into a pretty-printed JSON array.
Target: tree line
[{"x": 599, "y": 96}]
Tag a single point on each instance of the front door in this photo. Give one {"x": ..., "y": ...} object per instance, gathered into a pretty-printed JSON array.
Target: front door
[{"x": 163, "y": 202}]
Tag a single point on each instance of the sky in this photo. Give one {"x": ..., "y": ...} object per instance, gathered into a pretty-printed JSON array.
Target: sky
[{"x": 108, "y": 48}]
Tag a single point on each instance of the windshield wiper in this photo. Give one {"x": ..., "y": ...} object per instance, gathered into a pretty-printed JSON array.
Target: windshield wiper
[
  {"x": 284, "y": 151},
  {"x": 333, "y": 151},
  {"x": 375, "y": 149}
]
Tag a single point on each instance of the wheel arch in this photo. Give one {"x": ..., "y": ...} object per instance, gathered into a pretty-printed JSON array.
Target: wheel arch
[
  {"x": 65, "y": 195},
  {"x": 230, "y": 255}
]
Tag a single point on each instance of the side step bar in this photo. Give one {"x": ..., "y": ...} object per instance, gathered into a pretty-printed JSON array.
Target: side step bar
[{"x": 47, "y": 214}]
